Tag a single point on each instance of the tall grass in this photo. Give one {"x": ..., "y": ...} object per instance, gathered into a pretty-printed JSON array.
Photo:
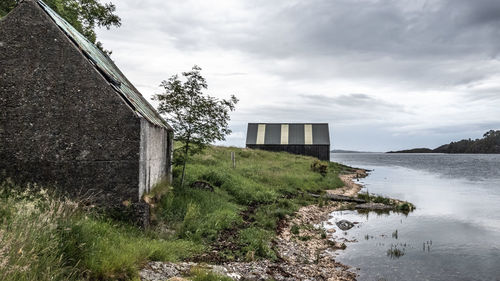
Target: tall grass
[
  {"x": 30, "y": 244},
  {"x": 45, "y": 237}
]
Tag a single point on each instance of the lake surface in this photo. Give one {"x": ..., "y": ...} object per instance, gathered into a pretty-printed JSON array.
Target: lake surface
[{"x": 453, "y": 235}]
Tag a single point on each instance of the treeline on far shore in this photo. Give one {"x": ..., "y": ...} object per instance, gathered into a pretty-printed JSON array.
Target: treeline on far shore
[{"x": 489, "y": 143}]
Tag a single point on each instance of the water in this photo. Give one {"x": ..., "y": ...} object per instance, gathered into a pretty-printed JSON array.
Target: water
[{"x": 453, "y": 235}]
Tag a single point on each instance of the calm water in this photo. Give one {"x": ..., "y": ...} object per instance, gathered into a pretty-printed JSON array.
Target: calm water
[{"x": 453, "y": 235}]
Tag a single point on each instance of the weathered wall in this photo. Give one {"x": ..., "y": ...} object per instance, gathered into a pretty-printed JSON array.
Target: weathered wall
[
  {"x": 321, "y": 152},
  {"x": 60, "y": 121},
  {"x": 155, "y": 160}
]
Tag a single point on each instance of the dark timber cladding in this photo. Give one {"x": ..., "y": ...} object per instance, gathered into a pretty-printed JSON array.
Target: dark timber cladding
[
  {"x": 69, "y": 117},
  {"x": 312, "y": 139}
]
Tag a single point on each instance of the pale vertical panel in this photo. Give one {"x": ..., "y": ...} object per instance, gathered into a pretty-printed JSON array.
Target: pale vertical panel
[
  {"x": 284, "y": 133},
  {"x": 261, "y": 133},
  {"x": 308, "y": 134}
]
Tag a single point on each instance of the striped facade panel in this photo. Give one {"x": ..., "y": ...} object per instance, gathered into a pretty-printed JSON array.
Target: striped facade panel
[
  {"x": 311, "y": 139},
  {"x": 273, "y": 134},
  {"x": 296, "y": 134},
  {"x": 320, "y": 134},
  {"x": 284, "y": 134},
  {"x": 308, "y": 134},
  {"x": 252, "y": 133},
  {"x": 261, "y": 134}
]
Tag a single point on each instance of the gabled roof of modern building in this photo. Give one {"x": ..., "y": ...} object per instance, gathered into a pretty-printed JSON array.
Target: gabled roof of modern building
[
  {"x": 288, "y": 134},
  {"x": 108, "y": 69}
]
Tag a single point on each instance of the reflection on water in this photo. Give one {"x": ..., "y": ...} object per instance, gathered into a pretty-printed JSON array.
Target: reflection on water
[{"x": 453, "y": 235}]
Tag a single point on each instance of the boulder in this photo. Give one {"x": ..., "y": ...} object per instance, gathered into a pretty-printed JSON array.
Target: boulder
[
  {"x": 345, "y": 224},
  {"x": 203, "y": 185}
]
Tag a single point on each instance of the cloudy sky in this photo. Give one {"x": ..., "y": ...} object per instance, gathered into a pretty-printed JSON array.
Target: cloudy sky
[{"x": 386, "y": 75}]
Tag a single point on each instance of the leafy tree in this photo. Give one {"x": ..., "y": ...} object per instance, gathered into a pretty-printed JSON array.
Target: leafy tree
[
  {"x": 197, "y": 119},
  {"x": 83, "y": 15},
  {"x": 6, "y": 6}
]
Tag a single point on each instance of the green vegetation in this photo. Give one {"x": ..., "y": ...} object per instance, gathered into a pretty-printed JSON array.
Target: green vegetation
[
  {"x": 248, "y": 201},
  {"x": 197, "y": 119},
  {"x": 401, "y": 206},
  {"x": 6, "y": 6},
  {"x": 84, "y": 15},
  {"x": 46, "y": 238},
  {"x": 375, "y": 198}
]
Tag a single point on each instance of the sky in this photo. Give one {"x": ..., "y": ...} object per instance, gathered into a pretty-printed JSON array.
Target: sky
[{"x": 385, "y": 74}]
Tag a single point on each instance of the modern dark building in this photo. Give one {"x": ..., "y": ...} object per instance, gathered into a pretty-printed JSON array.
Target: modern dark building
[
  {"x": 312, "y": 139},
  {"x": 69, "y": 117}
]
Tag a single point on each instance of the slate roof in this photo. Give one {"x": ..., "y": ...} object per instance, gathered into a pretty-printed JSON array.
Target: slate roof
[
  {"x": 109, "y": 70},
  {"x": 288, "y": 134}
]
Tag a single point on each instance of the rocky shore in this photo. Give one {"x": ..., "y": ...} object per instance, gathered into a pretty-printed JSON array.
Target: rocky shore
[{"x": 304, "y": 249}]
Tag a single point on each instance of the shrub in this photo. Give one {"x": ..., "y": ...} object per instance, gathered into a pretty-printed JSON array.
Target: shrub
[{"x": 320, "y": 167}]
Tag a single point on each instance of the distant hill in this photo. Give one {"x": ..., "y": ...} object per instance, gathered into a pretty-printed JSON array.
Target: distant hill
[
  {"x": 414, "y": 150},
  {"x": 490, "y": 143}
]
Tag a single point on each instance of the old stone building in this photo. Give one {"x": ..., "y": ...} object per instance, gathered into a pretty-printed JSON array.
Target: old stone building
[{"x": 69, "y": 117}]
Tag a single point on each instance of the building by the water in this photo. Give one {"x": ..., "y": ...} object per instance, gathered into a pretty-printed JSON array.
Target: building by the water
[{"x": 312, "y": 139}]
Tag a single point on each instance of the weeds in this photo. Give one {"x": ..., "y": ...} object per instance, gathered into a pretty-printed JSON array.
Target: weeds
[
  {"x": 395, "y": 253},
  {"x": 45, "y": 237}
]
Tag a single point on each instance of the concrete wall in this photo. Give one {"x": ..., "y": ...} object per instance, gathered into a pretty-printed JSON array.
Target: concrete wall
[
  {"x": 60, "y": 121},
  {"x": 155, "y": 162}
]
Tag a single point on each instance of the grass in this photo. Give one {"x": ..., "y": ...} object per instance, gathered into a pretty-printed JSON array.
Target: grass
[
  {"x": 252, "y": 198},
  {"x": 46, "y": 237},
  {"x": 403, "y": 207}
]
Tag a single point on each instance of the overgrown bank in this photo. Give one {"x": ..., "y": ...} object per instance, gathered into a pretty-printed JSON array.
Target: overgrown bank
[{"x": 235, "y": 218}]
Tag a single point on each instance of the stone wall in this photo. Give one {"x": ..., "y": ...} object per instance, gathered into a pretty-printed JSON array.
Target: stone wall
[{"x": 60, "y": 121}]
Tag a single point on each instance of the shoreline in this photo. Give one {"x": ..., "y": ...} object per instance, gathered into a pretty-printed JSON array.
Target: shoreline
[{"x": 304, "y": 249}]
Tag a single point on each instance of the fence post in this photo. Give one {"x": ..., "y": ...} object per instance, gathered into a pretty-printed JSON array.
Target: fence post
[{"x": 233, "y": 159}]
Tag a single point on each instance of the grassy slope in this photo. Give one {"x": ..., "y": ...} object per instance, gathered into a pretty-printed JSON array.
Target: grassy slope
[
  {"x": 42, "y": 238},
  {"x": 250, "y": 199}
]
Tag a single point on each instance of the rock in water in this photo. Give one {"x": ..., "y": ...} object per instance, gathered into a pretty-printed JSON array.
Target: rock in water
[{"x": 344, "y": 224}]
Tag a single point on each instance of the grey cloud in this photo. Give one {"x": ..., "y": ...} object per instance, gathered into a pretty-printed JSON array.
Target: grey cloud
[
  {"x": 447, "y": 47},
  {"x": 491, "y": 94},
  {"x": 432, "y": 43},
  {"x": 360, "y": 101},
  {"x": 344, "y": 27}
]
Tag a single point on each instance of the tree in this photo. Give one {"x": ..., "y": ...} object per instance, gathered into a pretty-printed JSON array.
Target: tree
[
  {"x": 6, "y": 6},
  {"x": 197, "y": 119},
  {"x": 83, "y": 15}
]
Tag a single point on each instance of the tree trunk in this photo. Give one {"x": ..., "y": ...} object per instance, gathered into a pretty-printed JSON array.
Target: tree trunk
[{"x": 184, "y": 164}]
